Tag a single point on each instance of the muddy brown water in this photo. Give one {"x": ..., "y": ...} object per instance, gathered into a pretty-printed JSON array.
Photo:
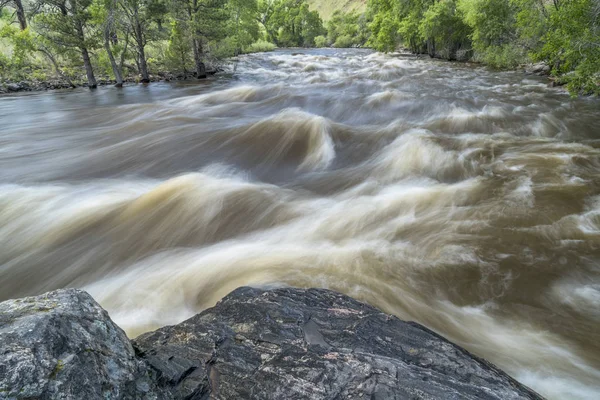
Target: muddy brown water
[{"x": 462, "y": 198}]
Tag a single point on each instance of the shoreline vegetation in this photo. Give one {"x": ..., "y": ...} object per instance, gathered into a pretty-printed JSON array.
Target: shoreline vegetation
[
  {"x": 13, "y": 87},
  {"x": 49, "y": 44}
]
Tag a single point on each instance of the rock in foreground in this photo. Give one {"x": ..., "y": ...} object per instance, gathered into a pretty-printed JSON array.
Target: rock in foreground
[
  {"x": 63, "y": 345},
  {"x": 254, "y": 344}
]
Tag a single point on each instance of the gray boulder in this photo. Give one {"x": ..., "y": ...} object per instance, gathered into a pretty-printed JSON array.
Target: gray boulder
[
  {"x": 14, "y": 87},
  {"x": 254, "y": 344},
  {"x": 314, "y": 344},
  {"x": 540, "y": 68},
  {"x": 63, "y": 345}
]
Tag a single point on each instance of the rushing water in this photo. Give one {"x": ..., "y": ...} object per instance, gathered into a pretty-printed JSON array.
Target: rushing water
[{"x": 464, "y": 199}]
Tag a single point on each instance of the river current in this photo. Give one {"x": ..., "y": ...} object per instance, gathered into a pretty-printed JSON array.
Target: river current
[{"x": 462, "y": 198}]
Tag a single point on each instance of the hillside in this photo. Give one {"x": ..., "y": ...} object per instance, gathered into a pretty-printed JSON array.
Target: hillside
[{"x": 328, "y": 7}]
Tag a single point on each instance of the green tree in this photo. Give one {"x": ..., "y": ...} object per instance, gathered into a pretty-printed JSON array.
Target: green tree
[
  {"x": 207, "y": 21},
  {"x": 243, "y": 28},
  {"x": 347, "y": 29},
  {"x": 385, "y": 24},
  {"x": 179, "y": 54},
  {"x": 443, "y": 29},
  {"x": 141, "y": 14},
  {"x": 19, "y": 11},
  {"x": 67, "y": 25},
  {"x": 106, "y": 16},
  {"x": 292, "y": 24},
  {"x": 572, "y": 44}
]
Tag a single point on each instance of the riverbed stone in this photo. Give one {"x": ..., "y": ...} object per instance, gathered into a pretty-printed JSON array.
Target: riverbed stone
[{"x": 254, "y": 344}]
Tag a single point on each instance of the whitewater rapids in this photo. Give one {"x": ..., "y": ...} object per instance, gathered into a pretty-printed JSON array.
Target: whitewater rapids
[{"x": 464, "y": 199}]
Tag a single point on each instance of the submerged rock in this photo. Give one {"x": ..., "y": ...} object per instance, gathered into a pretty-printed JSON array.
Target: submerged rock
[{"x": 254, "y": 344}]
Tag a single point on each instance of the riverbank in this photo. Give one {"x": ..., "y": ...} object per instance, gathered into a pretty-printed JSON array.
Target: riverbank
[
  {"x": 262, "y": 344},
  {"x": 8, "y": 86}
]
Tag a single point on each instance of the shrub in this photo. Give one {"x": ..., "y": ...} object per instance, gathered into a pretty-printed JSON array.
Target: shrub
[
  {"x": 260, "y": 46},
  {"x": 343, "y": 41},
  {"x": 321, "y": 41}
]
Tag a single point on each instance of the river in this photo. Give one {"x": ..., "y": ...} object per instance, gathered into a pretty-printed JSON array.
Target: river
[{"x": 462, "y": 198}]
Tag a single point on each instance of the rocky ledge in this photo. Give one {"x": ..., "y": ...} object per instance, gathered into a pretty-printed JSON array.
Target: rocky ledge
[{"x": 254, "y": 344}]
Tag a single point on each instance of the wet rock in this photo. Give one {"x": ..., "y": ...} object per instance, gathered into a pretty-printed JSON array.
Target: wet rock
[
  {"x": 63, "y": 345},
  {"x": 538, "y": 69},
  {"x": 254, "y": 344},
  {"x": 314, "y": 344},
  {"x": 14, "y": 87}
]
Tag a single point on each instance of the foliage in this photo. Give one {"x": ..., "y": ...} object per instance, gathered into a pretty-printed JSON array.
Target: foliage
[
  {"x": 320, "y": 41},
  {"x": 347, "y": 30},
  {"x": 290, "y": 23},
  {"x": 500, "y": 33},
  {"x": 385, "y": 24},
  {"x": 242, "y": 25},
  {"x": 77, "y": 38},
  {"x": 22, "y": 47},
  {"x": 572, "y": 44},
  {"x": 443, "y": 26},
  {"x": 260, "y": 46},
  {"x": 179, "y": 56}
]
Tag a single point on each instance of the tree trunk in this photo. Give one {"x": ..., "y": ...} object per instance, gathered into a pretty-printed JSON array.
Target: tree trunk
[
  {"x": 124, "y": 52},
  {"x": 108, "y": 37},
  {"x": 139, "y": 38},
  {"x": 143, "y": 64},
  {"x": 21, "y": 14},
  {"x": 85, "y": 55},
  {"x": 89, "y": 71},
  {"x": 113, "y": 63},
  {"x": 58, "y": 70},
  {"x": 200, "y": 67},
  {"x": 431, "y": 48}
]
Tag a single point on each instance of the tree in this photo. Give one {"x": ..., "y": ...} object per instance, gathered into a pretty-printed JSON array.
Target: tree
[
  {"x": 571, "y": 44},
  {"x": 106, "y": 16},
  {"x": 265, "y": 12},
  {"x": 293, "y": 24},
  {"x": 347, "y": 29},
  {"x": 206, "y": 21},
  {"x": 141, "y": 14},
  {"x": 19, "y": 11},
  {"x": 179, "y": 55},
  {"x": 242, "y": 26},
  {"x": 384, "y": 25},
  {"x": 443, "y": 28},
  {"x": 66, "y": 24}
]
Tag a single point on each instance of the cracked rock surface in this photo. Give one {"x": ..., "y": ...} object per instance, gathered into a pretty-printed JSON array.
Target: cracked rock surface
[
  {"x": 314, "y": 344},
  {"x": 254, "y": 344}
]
